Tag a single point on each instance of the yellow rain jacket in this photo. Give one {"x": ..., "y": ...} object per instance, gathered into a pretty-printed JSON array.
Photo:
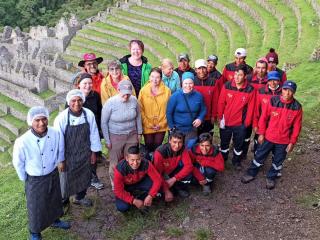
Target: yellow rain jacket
[{"x": 153, "y": 108}]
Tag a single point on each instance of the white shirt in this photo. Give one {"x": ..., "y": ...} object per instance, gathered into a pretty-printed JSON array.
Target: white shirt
[
  {"x": 37, "y": 156},
  {"x": 61, "y": 121}
]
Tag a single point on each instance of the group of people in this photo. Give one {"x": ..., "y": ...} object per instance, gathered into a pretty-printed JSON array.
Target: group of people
[{"x": 134, "y": 101}]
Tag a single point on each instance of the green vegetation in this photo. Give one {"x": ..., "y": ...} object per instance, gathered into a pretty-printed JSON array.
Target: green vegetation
[
  {"x": 203, "y": 234},
  {"x": 11, "y": 103},
  {"x": 46, "y": 94},
  {"x": 26, "y": 13}
]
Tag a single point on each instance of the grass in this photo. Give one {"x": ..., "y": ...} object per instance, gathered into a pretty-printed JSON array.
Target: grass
[
  {"x": 46, "y": 94},
  {"x": 174, "y": 232},
  {"x": 210, "y": 46},
  {"x": 203, "y": 234},
  {"x": 6, "y": 132},
  {"x": 238, "y": 38},
  {"x": 255, "y": 44},
  {"x": 11, "y": 103},
  {"x": 173, "y": 41},
  {"x": 308, "y": 92},
  {"x": 272, "y": 31},
  {"x": 222, "y": 41},
  {"x": 310, "y": 200},
  {"x": 197, "y": 49}
]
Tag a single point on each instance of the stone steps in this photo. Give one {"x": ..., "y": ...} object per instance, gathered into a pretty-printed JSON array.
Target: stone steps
[
  {"x": 187, "y": 39},
  {"x": 7, "y": 135},
  {"x": 4, "y": 145},
  {"x": 151, "y": 41},
  {"x": 14, "y": 125},
  {"x": 217, "y": 38},
  {"x": 119, "y": 44}
]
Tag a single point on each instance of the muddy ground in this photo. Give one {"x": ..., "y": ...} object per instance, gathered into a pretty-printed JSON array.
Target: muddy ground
[{"x": 233, "y": 211}]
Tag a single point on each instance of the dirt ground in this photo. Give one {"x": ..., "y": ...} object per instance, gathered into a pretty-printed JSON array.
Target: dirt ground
[{"x": 233, "y": 211}]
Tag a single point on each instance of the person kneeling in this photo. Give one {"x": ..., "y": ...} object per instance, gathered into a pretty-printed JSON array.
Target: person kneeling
[
  {"x": 174, "y": 164},
  {"x": 36, "y": 156},
  {"x": 207, "y": 160},
  {"x": 136, "y": 181}
]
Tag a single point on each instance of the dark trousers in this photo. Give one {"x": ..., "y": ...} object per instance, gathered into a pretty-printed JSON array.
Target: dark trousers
[
  {"x": 237, "y": 133},
  {"x": 246, "y": 142},
  {"x": 255, "y": 143},
  {"x": 205, "y": 127},
  {"x": 208, "y": 172},
  {"x": 183, "y": 183},
  {"x": 81, "y": 194},
  {"x": 279, "y": 155},
  {"x": 153, "y": 140},
  {"x": 139, "y": 190}
]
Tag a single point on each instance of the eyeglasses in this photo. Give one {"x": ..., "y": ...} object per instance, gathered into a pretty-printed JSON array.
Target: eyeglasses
[{"x": 114, "y": 69}]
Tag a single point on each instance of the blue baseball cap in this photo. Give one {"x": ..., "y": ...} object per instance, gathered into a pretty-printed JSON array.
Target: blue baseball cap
[
  {"x": 290, "y": 85},
  {"x": 187, "y": 75},
  {"x": 273, "y": 75}
]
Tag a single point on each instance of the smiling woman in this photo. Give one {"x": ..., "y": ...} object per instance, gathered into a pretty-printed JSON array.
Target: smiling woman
[{"x": 136, "y": 66}]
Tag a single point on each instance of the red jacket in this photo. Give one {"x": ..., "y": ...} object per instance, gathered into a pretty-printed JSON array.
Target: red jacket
[
  {"x": 210, "y": 92},
  {"x": 263, "y": 97},
  {"x": 125, "y": 175},
  {"x": 165, "y": 161},
  {"x": 281, "y": 121},
  {"x": 236, "y": 105},
  {"x": 256, "y": 82},
  {"x": 228, "y": 72},
  {"x": 214, "y": 160},
  {"x": 96, "y": 82}
]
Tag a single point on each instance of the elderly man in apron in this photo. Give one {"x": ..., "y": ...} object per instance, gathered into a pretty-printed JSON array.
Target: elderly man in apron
[
  {"x": 79, "y": 130},
  {"x": 36, "y": 155}
]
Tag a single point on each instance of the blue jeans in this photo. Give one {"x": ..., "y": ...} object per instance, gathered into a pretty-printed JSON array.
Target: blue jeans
[
  {"x": 237, "y": 133},
  {"x": 279, "y": 155},
  {"x": 139, "y": 190}
]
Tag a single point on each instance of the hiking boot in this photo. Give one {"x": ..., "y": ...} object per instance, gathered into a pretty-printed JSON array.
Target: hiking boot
[
  {"x": 206, "y": 190},
  {"x": 270, "y": 183},
  {"x": 247, "y": 178},
  {"x": 86, "y": 202},
  {"x": 35, "y": 236},
  {"x": 183, "y": 193},
  {"x": 95, "y": 182},
  {"x": 61, "y": 224}
]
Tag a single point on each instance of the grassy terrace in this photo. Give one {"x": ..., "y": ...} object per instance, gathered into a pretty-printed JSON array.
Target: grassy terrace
[
  {"x": 238, "y": 38},
  {"x": 180, "y": 46},
  {"x": 222, "y": 41},
  {"x": 210, "y": 43},
  {"x": 272, "y": 32},
  {"x": 98, "y": 33},
  {"x": 164, "y": 50},
  {"x": 11, "y": 103},
  {"x": 197, "y": 50},
  {"x": 255, "y": 43}
]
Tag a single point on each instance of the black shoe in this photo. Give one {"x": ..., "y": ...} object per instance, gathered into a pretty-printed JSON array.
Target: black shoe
[
  {"x": 183, "y": 193},
  {"x": 247, "y": 178},
  {"x": 270, "y": 183}
]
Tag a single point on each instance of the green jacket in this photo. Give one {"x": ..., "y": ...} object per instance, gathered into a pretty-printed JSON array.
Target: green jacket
[{"x": 146, "y": 68}]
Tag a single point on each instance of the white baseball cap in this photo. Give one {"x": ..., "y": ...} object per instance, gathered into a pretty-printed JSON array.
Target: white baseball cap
[
  {"x": 240, "y": 52},
  {"x": 200, "y": 63}
]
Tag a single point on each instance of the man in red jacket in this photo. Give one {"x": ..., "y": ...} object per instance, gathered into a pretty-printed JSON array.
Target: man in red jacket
[
  {"x": 239, "y": 59},
  {"x": 235, "y": 114},
  {"x": 136, "y": 181},
  {"x": 208, "y": 87},
  {"x": 264, "y": 95},
  {"x": 257, "y": 79},
  {"x": 212, "y": 62},
  {"x": 89, "y": 64},
  {"x": 279, "y": 128},
  {"x": 184, "y": 65},
  {"x": 174, "y": 165},
  {"x": 273, "y": 61}
]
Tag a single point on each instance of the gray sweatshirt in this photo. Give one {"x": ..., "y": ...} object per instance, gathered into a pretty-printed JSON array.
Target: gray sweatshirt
[{"x": 120, "y": 117}]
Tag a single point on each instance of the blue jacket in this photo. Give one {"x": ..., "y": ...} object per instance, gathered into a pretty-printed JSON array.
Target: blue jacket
[
  {"x": 178, "y": 114},
  {"x": 172, "y": 82}
]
